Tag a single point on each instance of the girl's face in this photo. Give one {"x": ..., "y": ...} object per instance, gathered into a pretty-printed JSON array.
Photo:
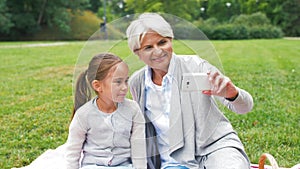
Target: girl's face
[
  {"x": 156, "y": 51},
  {"x": 115, "y": 85}
]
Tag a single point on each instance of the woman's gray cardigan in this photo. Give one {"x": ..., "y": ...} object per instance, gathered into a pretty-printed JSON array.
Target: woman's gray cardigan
[{"x": 197, "y": 126}]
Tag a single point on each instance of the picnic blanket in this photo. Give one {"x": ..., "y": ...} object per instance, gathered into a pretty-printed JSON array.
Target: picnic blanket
[
  {"x": 54, "y": 159},
  {"x": 50, "y": 159}
]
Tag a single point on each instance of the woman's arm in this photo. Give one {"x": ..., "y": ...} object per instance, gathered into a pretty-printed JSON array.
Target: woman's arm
[
  {"x": 242, "y": 104},
  {"x": 234, "y": 98}
]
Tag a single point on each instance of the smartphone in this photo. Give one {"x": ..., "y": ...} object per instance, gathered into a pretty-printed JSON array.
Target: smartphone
[{"x": 195, "y": 82}]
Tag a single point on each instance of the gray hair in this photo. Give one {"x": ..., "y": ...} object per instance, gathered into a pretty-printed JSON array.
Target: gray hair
[{"x": 147, "y": 22}]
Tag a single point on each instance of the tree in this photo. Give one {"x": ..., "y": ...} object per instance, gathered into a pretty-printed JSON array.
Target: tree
[
  {"x": 223, "y": 10},
  {"x": 283, "y": 13},
  {"x": 29, "y": 16},
  {"x": 290, "y": 22},
  {"x": 94, "y": 5},
  {"x": 114, "y": 9},
  {"x": 253, "y": 6},
  {"x": 188, "y": 10},
  {"x": 5, "y": 18}
]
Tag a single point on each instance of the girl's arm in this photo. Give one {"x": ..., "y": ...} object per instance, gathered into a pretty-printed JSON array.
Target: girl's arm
[
  {"x": 75, "y": 141},
  {"x": 138, "y": 140}
]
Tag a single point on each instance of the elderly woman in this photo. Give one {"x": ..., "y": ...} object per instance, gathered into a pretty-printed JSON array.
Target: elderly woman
[{"x": 184, "y": 129}]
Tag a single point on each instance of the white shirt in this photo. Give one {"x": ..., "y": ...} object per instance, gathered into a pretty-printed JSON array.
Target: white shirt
[{"x": 158, "y": 110}]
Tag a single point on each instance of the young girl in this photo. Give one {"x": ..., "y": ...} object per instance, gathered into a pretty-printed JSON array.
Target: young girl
[{"x": 109, "y": 130}]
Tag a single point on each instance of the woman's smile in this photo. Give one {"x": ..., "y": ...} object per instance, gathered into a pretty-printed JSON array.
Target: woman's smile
[{"x": 159, "y": 59}]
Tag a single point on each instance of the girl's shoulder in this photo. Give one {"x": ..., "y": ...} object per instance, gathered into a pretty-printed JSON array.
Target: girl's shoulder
[
  {"x": 129, "y": 104},
  {"x": 85, "y": 109},
  {"x": 130, "y": 109}
]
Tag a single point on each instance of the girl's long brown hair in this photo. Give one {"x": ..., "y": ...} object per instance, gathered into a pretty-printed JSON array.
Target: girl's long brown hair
[{"x": 98, "y": 69}]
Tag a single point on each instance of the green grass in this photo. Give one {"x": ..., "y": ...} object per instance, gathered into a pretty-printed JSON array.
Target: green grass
[{"x": 36, "y": 94}]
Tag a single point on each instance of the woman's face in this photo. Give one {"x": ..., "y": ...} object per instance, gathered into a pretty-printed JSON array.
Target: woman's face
[{"x": 156, "y": 51}]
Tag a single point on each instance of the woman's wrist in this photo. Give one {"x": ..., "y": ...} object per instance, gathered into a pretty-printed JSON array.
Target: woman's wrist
[{"x": 233, "y": 98}]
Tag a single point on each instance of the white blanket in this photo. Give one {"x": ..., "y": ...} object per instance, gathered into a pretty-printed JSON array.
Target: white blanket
[
  {"x": 54, "y": 159},
  {"x": 50, "y": 159}
]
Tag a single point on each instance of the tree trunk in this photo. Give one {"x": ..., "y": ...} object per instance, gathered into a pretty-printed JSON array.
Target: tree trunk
[{"x": 42, "y": 13}]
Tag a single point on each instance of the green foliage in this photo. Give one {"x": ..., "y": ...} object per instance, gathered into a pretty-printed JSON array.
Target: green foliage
[
  {"x": 229, "y": 31},
  {"x": 5, "y": 18},
  {"x": 282, "y": 13},
  {"x": 186, "y": 32},
  {"x": 188, "y": 10},
  {"x": 254, "y": 26},
  {"x": 83, "y": 25},
  {"x": 25, "y": 18},
  {"x": 264, "y": 32},
  {"x": 253, "y": 6},
  {"x": 223, "y": 9},
  {"x": 94, "y": 5},
  {"x": 291, "y": 18},
  {"x": 114, "y": 10},
  {"x": 255, "y": 19},
  {"x": 28, "y": 17},
  {"x": 211, "y": 22}
]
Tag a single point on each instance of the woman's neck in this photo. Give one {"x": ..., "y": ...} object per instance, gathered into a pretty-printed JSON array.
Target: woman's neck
[
  {"x": 157, "y": 76},
  {"x": 105, "y": 106}
]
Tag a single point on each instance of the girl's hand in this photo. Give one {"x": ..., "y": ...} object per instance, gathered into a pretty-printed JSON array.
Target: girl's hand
[{"x": 221, "y": 86}]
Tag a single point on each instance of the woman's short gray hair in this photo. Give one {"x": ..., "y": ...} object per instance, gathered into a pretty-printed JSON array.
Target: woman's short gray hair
[{"x": 147, "y": 22}]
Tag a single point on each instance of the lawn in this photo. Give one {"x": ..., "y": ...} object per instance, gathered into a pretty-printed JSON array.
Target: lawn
[{"x": 36, "y": 93}]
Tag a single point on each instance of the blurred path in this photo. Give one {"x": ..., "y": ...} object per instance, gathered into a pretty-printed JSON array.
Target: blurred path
[
  {"x": 292, "y": 38},
  {"x": 34, "y": 45}
]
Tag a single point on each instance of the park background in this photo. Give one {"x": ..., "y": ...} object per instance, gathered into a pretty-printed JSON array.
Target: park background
[
  {"x": 218, "y": 19},
  {"x": 257, "y": 41}
]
